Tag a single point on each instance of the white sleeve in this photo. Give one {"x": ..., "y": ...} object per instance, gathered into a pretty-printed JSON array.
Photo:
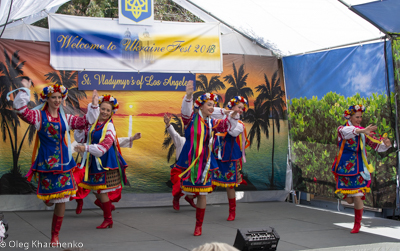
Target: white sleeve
[
  {"x": 99, "y": 150},
  {"x": 178, "y": 140},
  {"x": 125, "y": 142},
  {"x": 20, "y": 104},
  {"x": 73, "y": 144},
  {"x": 218, "y": 113},
  {"x": 80, "y": 136},
  {"x": 382, "y": 148},
  {"x": 236, "y": 131},
  {"x": 187, "y": 107},
  {"x": 175, "y": 136},
  {"x": 348, "y": 132},
  {"x": 233, "y": 122},
  {"x": 92, "y": 114}
]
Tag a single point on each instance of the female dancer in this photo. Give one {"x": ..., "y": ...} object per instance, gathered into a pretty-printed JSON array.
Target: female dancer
[
  {"x": 197, "y": 159},
  {"x": 351, "y": 168},
  {"x": 105, "y": 167},
  {"x": 179, "y": 141},
  {"x": 228, "y": 150},
  {"x": 54, "y": 162},
  {"x": 81, "y": 137}
]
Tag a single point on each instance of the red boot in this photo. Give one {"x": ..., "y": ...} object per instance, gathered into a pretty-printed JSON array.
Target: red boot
[
  {"x": 199, "y": 221},
  {"x": 190, "y": 201},
  {"x": 175, "y": 202},
  {"x": 98, "y": 203},
  {"x": 79, "y": 206},
  {"x": 232, "y": 209},
  {"x": 108, "y": 222},
  {"x": 55, "y": 229},
  {"x": 357, "y": 220}
]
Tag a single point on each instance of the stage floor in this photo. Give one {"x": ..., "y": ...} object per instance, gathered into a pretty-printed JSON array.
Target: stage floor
[{"x": 162, "y": 228}]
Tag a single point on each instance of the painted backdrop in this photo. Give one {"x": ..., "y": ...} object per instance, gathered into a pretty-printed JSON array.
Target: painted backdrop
[{"x": 258, "y": 78}]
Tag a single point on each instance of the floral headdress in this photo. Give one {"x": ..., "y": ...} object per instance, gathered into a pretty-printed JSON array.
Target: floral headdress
[
  {"x": 352, "y": 110},
  {"x": 204, "y": 98},
  {"x": 112, "y": 100},
  {"x": 49, "y": 90},
  {"x": 236, "y": 100}
]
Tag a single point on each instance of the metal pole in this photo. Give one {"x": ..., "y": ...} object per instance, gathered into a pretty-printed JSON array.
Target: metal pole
[
  {"x": 338, "y": 46},
  {"x": 398, "y": 157}
]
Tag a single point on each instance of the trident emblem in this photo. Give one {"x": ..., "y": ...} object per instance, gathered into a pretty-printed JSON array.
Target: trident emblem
[{"x": 136, "y": 7}]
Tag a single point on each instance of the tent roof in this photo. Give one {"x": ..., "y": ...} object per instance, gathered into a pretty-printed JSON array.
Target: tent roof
[
  {"x": 289, "y": 26},
  {"x": 27, "y": 32},
  {"x": 384, "y": 14},
  {"x": 26, "y": 11},
  {"x": 285, "y": 26}
]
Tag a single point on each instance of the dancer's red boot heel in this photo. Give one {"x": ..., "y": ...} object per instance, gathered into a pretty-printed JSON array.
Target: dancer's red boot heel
[
  {"x": 55, "y": 230},
  {"x": 232, "y": 209},
  {"x": 199, "y": 221},
  {"x": 79, "y": 206},
  {"x": 108, "y": 222},
  {"x": 357, "y": 220},
  {"x": 175, "y": 202}
]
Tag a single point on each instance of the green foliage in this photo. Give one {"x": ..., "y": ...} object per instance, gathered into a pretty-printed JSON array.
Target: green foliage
[
  {"x": 313, "y": 132},
  {"x": 314, "y": 120},
  {"x": 165, "y": 10}
]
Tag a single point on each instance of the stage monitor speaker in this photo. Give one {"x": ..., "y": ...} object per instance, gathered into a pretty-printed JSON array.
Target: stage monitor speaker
[{"x": 256, "y": 239}]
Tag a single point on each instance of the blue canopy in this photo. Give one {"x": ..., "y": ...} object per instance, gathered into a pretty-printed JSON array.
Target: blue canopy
[{"x": 385, "y": 14}]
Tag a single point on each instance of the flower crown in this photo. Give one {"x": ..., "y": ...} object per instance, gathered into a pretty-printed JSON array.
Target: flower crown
[
  {"x": 236, "y": 100},
  {"x": 352, "y": 110},
  {"x": 112, "y": 100},
  {"x": 49, "y": 90},
  {"x": 204, "y": 98}
]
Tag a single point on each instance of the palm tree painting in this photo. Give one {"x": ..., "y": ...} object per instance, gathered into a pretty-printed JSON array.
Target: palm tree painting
[
  {"x": 271, "y": 101},
  {"x": 260, "y": 123},
  {"x": 10, "y": 79},
  {"x": 238, "y": 84},
  {"x": 204, "y": 86},
  {"x": 176, "y": 122},
  {"x": 68, "y": 79}
]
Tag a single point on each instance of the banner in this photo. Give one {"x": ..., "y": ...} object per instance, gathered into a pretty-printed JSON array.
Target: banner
[
  {"x": 150, "y": 157},
  {"x": 101, "y": 44},
  {"x": 136, "y": 12},
  {"x": 321, "y": 86},
  {"x": 132, "y": 81}
]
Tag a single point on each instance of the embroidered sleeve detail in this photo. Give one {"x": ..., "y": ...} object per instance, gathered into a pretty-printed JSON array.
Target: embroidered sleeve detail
[
  {"x": 76, "y": 122},
  {"x": 375, "y": 146},
  {"x": 221, "y": 125},
  {"x": 32, "y": 117}
]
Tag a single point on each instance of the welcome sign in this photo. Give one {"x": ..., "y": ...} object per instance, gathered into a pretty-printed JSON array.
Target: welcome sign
[
  {"x": 101, "y": 44},
  {"x": 133, "y": 81},
  {"x": 136, "y": 12}
]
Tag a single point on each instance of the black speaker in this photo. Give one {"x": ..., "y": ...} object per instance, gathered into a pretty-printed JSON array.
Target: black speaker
[{"x": 256, "y": 239}]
